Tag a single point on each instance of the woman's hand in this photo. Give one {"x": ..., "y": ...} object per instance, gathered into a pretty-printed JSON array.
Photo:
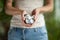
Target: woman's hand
[
  {"x": 22, "y": 20},
  {"x": 35, "y": 13}
]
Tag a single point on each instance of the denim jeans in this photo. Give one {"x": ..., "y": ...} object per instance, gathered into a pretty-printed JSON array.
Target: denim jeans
[{"x": 27, "y": 33}]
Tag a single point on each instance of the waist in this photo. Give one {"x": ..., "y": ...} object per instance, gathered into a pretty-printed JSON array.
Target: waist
[
  {"x": 16, "y": 22},
  {"x": 16, "y": 18}
]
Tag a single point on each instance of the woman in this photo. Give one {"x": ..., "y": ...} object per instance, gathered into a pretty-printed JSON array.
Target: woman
[{"x": 19, "y": 30}]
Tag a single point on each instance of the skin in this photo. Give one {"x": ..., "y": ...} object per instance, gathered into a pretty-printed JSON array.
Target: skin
[{"x": 10, "y": 10}]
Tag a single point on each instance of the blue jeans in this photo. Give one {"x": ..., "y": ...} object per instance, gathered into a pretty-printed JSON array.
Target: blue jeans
[{"x": 28, "y": 34}]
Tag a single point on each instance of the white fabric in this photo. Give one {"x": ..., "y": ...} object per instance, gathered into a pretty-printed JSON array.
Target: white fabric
[{"x": 28, "y": 5}]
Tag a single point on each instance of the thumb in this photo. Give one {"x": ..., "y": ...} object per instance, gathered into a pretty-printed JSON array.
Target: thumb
[{"x": 24, "y": 14}]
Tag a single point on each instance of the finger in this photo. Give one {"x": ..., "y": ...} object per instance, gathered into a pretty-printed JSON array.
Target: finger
[
  {"x": 34, "y": 17},
  {"x": 24, "y": 24},
  {"x": 33, "y": 12},
  {"x": 22, "y": 18},
  {"x": 28, "y": 25},
  {"x": 24, "y": 14}
]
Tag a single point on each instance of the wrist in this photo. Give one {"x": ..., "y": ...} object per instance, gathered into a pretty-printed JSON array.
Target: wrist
[
  {"x": 41, "y": 10},
  {"x": 18, "y": 10},
  {"x": 38, "y": 10}
]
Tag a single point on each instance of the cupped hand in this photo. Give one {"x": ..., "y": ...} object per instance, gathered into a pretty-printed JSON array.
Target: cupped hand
[
  {"x": 22, "y": 20},
  {"x": 35, "y": 13}
]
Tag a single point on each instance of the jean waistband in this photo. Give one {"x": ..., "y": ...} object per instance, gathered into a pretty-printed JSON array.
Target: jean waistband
[{"x": 21, "y": 29}]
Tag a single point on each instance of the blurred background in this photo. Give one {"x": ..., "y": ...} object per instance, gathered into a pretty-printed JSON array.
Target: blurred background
[{"x": 52, "y": 22}]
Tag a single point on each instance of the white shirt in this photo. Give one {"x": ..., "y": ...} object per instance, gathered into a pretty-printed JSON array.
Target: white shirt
[{"x": 29, "y": 6}]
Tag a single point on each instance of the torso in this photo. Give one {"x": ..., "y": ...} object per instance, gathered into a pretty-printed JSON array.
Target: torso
[{"x": 28, "y": 5}]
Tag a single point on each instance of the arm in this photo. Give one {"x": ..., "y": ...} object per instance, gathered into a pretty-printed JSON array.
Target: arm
[
  {"x": 48, "y": 7},
  {"x": 15, "y": 11},
  {"x": 11, "y": 10}
]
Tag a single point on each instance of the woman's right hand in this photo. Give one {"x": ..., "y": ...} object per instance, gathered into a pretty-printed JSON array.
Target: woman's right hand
[{"x": 22, "y": 20}]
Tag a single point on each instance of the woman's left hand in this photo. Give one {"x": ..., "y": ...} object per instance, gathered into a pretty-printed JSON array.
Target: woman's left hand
[{"x": 35, "y": 13}]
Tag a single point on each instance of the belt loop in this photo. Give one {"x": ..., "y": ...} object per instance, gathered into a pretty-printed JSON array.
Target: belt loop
[
  {"x": 23, "y": 34},
  {"x": 15, "y": 29},
  {"x": 35, "y": 30}
]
